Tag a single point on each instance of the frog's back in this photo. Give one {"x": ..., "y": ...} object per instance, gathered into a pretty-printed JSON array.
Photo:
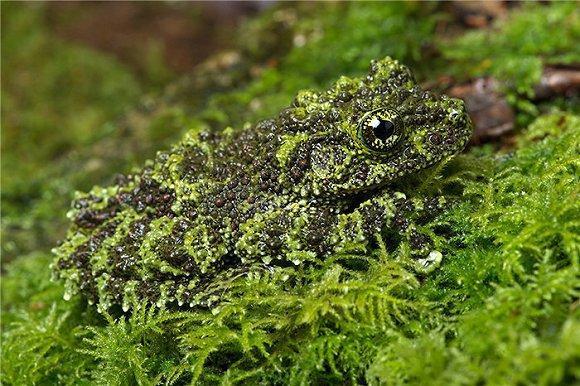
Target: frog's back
[{"x": 163, "y": 232}]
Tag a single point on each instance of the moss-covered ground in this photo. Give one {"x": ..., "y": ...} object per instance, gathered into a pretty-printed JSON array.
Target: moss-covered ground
[{"x": 502, "y": 309}]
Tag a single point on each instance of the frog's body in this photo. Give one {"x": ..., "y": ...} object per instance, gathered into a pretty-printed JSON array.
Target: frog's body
[{"x": 313, "y": 181}]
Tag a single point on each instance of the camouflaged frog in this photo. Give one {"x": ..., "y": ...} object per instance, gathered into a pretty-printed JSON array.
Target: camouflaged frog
[{"x": 313, "y": 181}]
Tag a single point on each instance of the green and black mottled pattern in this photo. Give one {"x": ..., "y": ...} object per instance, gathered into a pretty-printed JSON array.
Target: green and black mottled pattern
[{"x": 312, "y": 181}]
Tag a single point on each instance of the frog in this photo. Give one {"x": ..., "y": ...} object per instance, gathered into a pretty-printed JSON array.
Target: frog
[{"x": 318, "y": 179}]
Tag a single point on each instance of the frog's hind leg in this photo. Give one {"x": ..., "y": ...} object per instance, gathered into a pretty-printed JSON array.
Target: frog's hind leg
[{"x": 286, "y": 236}]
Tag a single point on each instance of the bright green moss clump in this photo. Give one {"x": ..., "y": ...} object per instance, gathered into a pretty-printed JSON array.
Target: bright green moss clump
[
  {"x": 515, "y": 49},
  {"x": 508, "y": 298}
]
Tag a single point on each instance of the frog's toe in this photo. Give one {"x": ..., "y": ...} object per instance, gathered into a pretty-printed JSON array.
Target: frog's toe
[{"x": 430, "y": 262}]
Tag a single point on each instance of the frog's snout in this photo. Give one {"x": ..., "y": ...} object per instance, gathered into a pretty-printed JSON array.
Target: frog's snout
[{"x": 459, "y": 120}]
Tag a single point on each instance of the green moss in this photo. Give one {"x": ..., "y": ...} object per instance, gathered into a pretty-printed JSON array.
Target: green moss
[
  {"x": 507, "y": 298},
  {"x": 517, "y": 48},
  {"x": 533, "y": 33},
  {"x": 59, "y": 102},
  {"x": 320, "y": 51},
  {"x": 54, "y": 94}
]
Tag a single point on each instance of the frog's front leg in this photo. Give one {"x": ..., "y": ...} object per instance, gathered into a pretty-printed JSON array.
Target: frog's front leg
[
  {"x": 419, "y": 241},
  {"x": 394, "y": 214},
  {"x": 303, "y": 231}
]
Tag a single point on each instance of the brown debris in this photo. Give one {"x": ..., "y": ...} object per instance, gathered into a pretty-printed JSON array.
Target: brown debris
[
  {"x": 478, "y": 14},
  {"x": 488, "y": 108},
  {"x": 558, "y": 81},
  {"x": 492, "y": 116},
  {"x": 186, "y": 33}
]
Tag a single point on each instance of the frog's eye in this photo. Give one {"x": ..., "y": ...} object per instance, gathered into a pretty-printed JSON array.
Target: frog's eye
[{"x": 380, "y": 130}]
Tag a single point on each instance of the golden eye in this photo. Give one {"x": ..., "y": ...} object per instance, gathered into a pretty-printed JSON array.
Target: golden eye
[{"x": 379, "y": 131}]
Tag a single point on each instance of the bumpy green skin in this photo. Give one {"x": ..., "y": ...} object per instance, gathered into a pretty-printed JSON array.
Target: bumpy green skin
[{"x": 286, "y": 191}]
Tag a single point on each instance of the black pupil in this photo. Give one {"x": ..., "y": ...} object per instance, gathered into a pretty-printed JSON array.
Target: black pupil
[{"x": 384, "y": 129}]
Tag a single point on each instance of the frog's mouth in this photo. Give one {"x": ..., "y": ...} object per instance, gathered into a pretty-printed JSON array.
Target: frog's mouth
[{"x": 352, "y": 202}]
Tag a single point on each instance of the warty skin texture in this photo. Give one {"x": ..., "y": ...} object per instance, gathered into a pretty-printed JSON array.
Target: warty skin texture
[{"x": 291, "y": 190}]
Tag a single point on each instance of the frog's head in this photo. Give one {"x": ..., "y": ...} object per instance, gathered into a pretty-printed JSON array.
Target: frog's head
[{"x": 365, "y": 133}]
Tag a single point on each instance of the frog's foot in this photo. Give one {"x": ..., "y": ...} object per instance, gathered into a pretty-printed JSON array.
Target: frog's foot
[{"x": 422, "y": 249}]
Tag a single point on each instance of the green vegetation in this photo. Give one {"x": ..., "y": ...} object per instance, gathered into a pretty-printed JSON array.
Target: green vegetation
[
  {"x": 317, "y": 51},
  {"x": 517, "y": 49},
  {"x": 501, "y": 309},
  {"x": 54, "y": 95}
]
